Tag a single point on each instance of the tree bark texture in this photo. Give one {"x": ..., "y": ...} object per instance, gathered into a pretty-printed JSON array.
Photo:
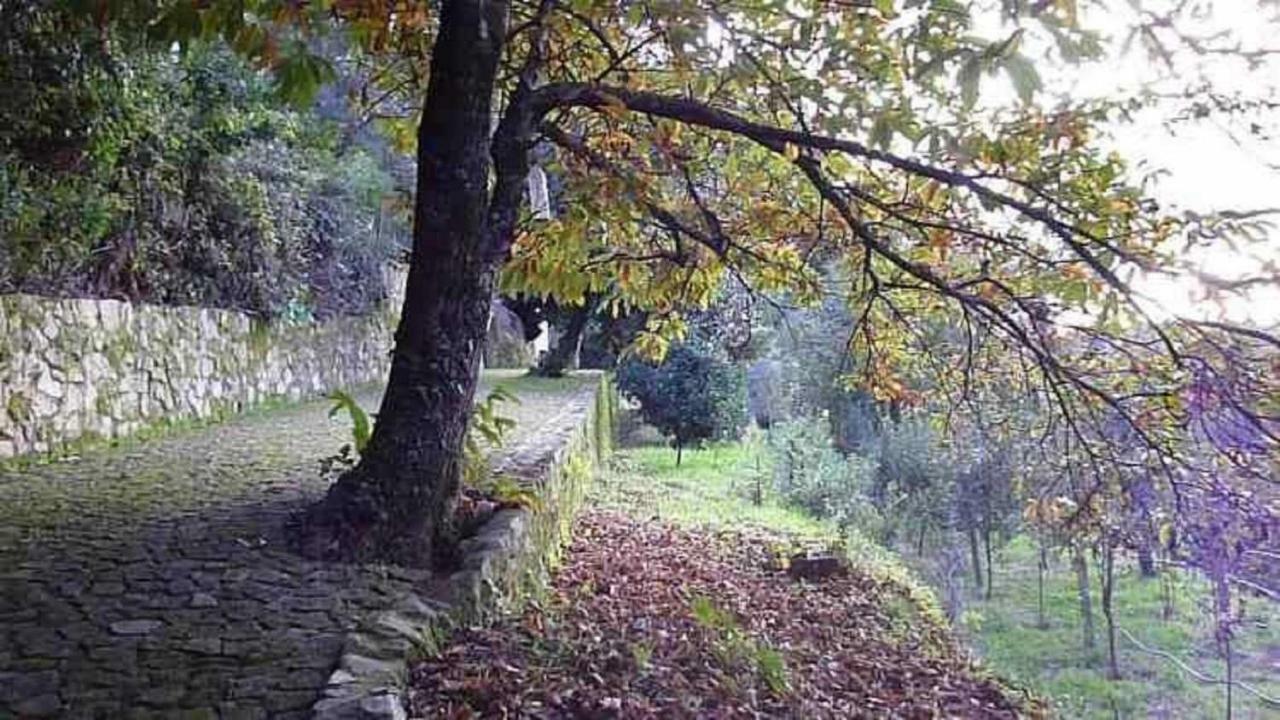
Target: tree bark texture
[
  {"x": 1146, "y": 558},
  {"x": 1042, "y": 567},
  {"x": 1108, "y": 610},
  {"x": 396, "y": 504},
  {"x": 986, "y": 541}
]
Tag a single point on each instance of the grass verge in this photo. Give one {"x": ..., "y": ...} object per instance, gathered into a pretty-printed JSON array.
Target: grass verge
[{"x": 1051, "y": 660}]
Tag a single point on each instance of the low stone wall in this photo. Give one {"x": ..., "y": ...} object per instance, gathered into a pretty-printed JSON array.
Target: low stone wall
[
  {"x": 508, "y": 559},
  {"x": 73, "y": 369},
  {"x": 515, "y": 550}
]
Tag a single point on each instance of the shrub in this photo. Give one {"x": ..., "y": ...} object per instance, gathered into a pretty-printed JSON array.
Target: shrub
[
  {"x": 811, "y": 474},
  {"x": 913, "y": 480},
  {"x": 180, "y": 179},
  {"x": 692, "y": 396}
]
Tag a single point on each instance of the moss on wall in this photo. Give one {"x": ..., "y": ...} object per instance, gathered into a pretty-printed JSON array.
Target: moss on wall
[
  {"x": 18, "y": 408},
  {"x": 512, "y": 557},
  {"x": 102, "y": 366}
]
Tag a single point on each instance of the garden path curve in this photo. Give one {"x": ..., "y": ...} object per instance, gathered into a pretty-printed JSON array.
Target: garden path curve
[{"x": 152, "y": 579}]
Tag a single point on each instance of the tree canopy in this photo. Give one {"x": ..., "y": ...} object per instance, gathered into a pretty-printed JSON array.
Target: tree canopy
[{"x": 699, "y": 144}]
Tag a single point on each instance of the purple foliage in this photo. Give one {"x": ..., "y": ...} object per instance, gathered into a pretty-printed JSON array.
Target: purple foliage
[{"x": 1219, "y": 417}]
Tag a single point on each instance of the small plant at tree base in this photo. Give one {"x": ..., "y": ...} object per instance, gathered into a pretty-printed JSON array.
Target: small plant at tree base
[
  {"x": 361, "y": 431},
  {"x": 486, "y": 431}
]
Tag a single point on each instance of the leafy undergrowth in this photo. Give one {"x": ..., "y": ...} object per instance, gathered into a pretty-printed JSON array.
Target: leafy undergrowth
[{"x": 649, "y": 619}]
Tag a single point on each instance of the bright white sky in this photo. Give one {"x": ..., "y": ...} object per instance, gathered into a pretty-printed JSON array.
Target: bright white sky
[{"x": 1212, "y": 165}]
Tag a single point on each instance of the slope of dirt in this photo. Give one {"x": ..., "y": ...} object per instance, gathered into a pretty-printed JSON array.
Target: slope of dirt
[{"x": 648, "y": 620}]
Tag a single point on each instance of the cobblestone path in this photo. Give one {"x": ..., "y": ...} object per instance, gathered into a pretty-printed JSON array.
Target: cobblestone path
[{"x": 152, "y": 580}]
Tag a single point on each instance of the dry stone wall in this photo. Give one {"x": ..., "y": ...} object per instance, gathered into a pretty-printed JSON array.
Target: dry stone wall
[
  {"x": 77, "y": 369},
  {"x": 74, "y": 369}
]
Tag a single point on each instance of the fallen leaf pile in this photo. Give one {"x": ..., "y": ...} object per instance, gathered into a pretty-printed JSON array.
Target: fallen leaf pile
[{"x": 646, "y": 620}]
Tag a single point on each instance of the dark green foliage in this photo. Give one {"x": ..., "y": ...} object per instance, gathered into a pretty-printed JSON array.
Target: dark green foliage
[
  {"x": 694, "y": 395},
  {"x": 913, "y": 481},
  {"x": 150, "y": 175},
  {"x": 814, "y": 372}
]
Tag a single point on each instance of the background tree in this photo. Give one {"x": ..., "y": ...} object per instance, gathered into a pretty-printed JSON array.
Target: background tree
[
  {"x": 693, "y": 395},
  {"x": 570, "y": 324},
  {"x": 127, "y": 172}
]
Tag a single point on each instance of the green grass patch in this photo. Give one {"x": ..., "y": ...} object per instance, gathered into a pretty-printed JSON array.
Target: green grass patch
[
  {"x": 520, "y": 382},
  {"x": 1052, "y": 661},
  {"x": 712, "y": 487}
]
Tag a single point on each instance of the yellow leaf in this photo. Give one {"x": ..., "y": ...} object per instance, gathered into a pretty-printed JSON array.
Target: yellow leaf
[{"x": 791, "y": 151}]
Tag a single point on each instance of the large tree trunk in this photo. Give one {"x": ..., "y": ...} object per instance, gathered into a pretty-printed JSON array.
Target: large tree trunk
[{"x": 396, "y": 504}]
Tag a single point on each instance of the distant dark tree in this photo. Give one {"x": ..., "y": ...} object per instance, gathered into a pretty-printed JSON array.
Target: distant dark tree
[
  {"x": 584, "y": 336},
  {"x": 608, "y": 337},
  {"x": 571, "y": 322},
  {"x": 531, "y": 310},
  {"x": 692, "y": 396}
]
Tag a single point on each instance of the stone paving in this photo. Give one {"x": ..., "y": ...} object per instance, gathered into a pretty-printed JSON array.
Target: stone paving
[{"x": 152, "y": 580}]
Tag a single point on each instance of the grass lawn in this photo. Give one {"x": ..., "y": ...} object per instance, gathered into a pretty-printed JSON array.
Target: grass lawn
[
  {"x": 1052, "y": 662},
  {"x": 519, "y": 381}
]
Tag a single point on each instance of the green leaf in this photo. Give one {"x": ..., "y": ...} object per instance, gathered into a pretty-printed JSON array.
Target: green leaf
[
  {"x": 361, "y": 429},
  {"x": 882, "y": 131},
  {"x": 970, "y": 74},
  {"x": 937, "y": 63},
  {"x": 300, "y": 75},
  {"x": 1026, "y": 81},
  {"x": 180, "y": 23}
]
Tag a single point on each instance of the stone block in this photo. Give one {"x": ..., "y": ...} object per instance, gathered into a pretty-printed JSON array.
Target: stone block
[
  {"x": 374, "y": 671},
  {"x": 136, "y": 627},
  {"x": 39, "y": 706}
]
